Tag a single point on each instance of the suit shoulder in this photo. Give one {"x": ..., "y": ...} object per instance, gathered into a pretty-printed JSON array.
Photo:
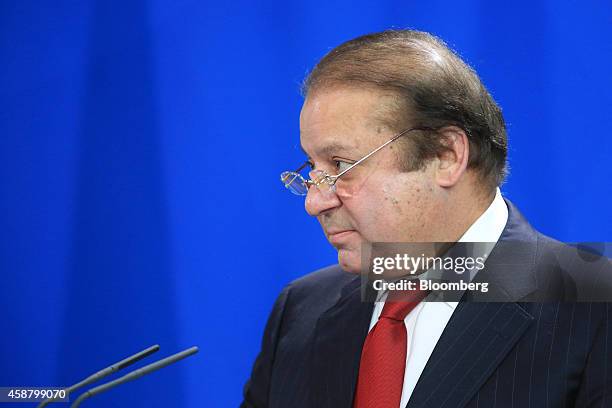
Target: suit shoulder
[
  {"x": 321, "y": 286},
  {"x": 585, "y": 264},
  {"x": 329, "y": 277}
]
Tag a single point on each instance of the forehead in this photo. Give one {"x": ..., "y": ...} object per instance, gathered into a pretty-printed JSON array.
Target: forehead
[{"x": 342, "y": 119}]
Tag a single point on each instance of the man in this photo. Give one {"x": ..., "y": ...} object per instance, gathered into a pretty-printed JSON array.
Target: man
[{"x": 405, "y": 144}]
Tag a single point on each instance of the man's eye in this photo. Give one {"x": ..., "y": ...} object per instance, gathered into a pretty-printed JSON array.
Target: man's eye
[{"x": 341, "y": 165}]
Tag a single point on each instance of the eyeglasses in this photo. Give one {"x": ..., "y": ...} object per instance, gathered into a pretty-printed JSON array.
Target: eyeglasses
[{"x": 326, "y": 183}]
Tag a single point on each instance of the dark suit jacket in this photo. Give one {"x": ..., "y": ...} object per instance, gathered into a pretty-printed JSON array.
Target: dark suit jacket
[{"x": 514, "y": 353}]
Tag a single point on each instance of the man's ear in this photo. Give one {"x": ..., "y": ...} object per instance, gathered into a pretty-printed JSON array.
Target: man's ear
[{"x": 452, "y": 163}]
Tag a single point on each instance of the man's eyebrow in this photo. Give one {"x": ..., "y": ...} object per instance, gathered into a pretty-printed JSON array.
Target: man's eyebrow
[{"x": 335, "y": 147}]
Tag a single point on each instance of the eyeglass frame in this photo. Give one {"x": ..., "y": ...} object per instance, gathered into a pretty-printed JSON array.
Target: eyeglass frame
[{"x": 331, "y": 180}]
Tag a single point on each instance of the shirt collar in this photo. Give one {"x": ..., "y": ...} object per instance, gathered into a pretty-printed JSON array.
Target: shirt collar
[
  {"x": 487, "y": 228},
  {"x": 491, "y": 223}
]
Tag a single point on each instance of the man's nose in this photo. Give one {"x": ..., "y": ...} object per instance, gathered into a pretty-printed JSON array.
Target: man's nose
[{"x": 318, "y": 202}]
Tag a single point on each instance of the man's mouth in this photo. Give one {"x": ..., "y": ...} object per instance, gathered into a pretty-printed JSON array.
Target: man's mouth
[{"x": 339, "y": 237}]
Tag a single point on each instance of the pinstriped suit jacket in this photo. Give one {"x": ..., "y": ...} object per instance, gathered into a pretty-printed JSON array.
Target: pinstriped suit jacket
[{"x": 514, "y": 353}]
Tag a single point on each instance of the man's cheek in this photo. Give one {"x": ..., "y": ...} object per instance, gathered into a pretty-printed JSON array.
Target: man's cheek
[{"x": 377, "y": 225}]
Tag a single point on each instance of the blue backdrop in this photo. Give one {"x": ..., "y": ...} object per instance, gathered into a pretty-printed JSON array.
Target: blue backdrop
[{"x": 140, "y": 148}]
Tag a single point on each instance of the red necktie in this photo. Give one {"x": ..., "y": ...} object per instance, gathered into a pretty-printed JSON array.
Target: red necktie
[{"x": 383, "y": 358}]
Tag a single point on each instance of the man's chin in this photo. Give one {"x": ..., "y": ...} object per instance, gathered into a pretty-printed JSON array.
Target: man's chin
[{"x": 349, "y": 260}]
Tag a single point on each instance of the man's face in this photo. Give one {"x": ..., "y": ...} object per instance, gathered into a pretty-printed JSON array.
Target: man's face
[{"x": 376, "y": 201}]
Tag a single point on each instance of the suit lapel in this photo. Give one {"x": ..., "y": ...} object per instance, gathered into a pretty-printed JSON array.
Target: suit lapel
[
  {"x": 339, "y": 338},
  {"x": 475, "y": 341}
]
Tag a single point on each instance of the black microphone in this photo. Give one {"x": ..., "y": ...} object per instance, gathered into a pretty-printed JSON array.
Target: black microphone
[
  {"x": 105, "y": 372},
  {"x": 135, "y": 374}
]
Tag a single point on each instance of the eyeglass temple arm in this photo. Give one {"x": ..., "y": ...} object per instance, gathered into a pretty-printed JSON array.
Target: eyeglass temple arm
[{"x": 377, "y": 149}]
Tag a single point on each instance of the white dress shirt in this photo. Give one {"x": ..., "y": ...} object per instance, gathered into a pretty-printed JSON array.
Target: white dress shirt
[{"x": 426, "y": 322}]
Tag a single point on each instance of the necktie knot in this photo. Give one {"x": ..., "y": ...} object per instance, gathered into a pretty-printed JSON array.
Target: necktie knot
[
  {"x": 399, "y": 304},
  {"x": 396, "y": 310}
]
